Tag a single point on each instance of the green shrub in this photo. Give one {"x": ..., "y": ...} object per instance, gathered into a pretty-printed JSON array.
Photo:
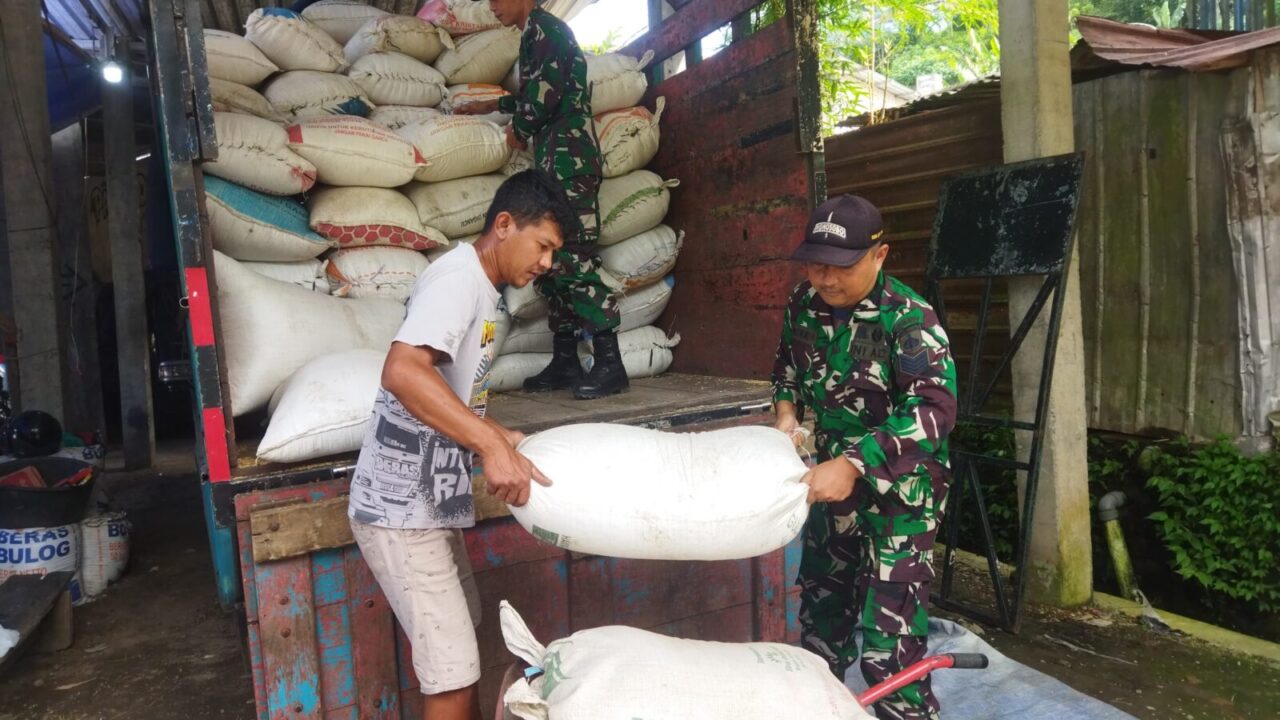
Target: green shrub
[{"x": 1219, "y": 517}]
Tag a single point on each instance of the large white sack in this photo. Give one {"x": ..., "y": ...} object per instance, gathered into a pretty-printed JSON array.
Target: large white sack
[
  {"x": 233, "y": 97},
  {"x": 341, "y": 18},
  {"x": 524, "y": 303},
  {"x": 348, "y": 150},
  {"x": 628, "y": 138},
  {"x": 459, "y": 17},
  {"x": 619, "y": 673},
  {"x": 255, "y": 153},
  {"x": 435, "y": 254},
  {"x": 303, "y": 94},
  {"x": 638, "y": 308},
  {"x": 358, "y": 216},
  {"x": 519, "y": 161},
  {"x": 457, "y": 147},
  {"x": 104, "y": 543},
  {"x": 40, "y": 551},
  {"x": 485, "y": 57},
  {"x": 502, "y": 328},
  {"x": 292, "y": 43},
  {"x": 643, "y": 259},
  {"x": 324, "y": 408},
  {"x": 390, "y": 78},
  {"x": 646, "y": 351},
  {"x": 629, "y": 492},
  {"x": 412, "y": 36},
  {"x": 235, "y": 59},
  {"x": 456, "y": 208},
  {"x": 248, "y": 225},
  {"x": 632, "y": 204},
  {"x": 616, "y": 81},
  {"x": 306, "y": 274},
  {"x": 387, "y": 272},
  {"x": 270, "y": 329},
  {"x": 394, "y": 117}
]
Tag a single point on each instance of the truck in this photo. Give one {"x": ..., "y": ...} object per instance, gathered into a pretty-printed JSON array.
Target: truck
[{"x": 741, "y": 133}]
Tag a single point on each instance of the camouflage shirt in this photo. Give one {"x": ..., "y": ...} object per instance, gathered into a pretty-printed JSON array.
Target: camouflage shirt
[
  {"x": 552, "y": 110},
  {"x": 882, "y": 390}
]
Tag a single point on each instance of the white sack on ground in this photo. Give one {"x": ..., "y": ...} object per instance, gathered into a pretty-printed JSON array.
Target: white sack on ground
[
  {"x": 456, "y": 208},
  {"x": 255, "y": 153},
  {"x": 341, "y": 18},
  {"x": 387, "y": 272},
  {"x": 632, "y": 204},
  {"x": 638, "y": 308},
  {"x": 359, "y": 216},
  {"x": 485, "y": 57},
  {"x": 324, "y": 408},
  {"x": 235, "y": 59},
  {"x": 352, "y": 151},
  {"x": 457, "y": 147},
  {"x": 270, "y": 329},
  {"x": 249, "y": 225},
  {"x": 394, "y": 117},
  {"x": 406, "y": 34},
  {"x": 628, "y": 138},
  {"x": 616, "y": 672},
  {"x": 306, "y": 274},
  {"x": 628, "y": 492},
  {"x": 524, "y": 303},
  {"x": 292, "y": 43},
  {"x": 303, "y": 94},
  {"x": 616, "y": 81},
  {"x": 643, "y": 259},
  {"x": 390, "y": 78},
  {"x": 233, "y": 97}
]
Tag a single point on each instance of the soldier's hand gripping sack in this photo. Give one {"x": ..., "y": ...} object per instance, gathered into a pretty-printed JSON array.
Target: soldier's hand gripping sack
[{"x": 630, "y": 492}]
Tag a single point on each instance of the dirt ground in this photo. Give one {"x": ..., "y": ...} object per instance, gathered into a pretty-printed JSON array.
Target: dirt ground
[{"x": 157, "y": 646}]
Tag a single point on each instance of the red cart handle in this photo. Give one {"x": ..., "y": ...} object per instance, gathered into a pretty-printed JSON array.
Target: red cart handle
[{"x": 960, "y": 661}]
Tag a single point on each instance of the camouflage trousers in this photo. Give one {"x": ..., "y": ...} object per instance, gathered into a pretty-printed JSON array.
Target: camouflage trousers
[
  {"x": 577, "y": 294},
  {"x": 840, "y": 590}
]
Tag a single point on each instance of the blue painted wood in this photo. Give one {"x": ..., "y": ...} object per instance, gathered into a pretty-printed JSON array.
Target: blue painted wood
[
  {"x": 290, "y": 654},
  {"x": 222, "y": 545}
]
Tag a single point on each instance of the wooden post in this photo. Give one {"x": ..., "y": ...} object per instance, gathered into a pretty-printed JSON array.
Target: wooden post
[
  {"x": 129, "y": 288},
  {"x": 32, "y": 249},
  {"x": 82, "y": 378}
]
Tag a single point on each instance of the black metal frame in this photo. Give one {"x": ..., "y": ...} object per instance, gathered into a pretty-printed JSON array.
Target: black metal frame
[{"x": 996, "y": 223}]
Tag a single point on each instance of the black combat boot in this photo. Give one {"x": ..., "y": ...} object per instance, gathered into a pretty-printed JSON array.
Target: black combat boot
[
  {"x": 564, "y": 371},
  {"x": 607, "y": 376}
]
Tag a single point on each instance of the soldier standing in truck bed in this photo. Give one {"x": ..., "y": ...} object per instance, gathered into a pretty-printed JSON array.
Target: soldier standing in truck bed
[{"x": 552, "y": 113}]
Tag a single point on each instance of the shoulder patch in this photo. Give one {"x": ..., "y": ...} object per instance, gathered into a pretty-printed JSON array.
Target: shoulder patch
[{"x": 912, "y": 356}]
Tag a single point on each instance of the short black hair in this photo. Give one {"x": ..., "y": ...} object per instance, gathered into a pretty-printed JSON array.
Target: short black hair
[{"x": 530, "y": 196}]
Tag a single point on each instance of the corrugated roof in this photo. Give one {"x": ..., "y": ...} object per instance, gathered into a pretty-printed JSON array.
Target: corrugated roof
[{"x": 1142, "y": 45}]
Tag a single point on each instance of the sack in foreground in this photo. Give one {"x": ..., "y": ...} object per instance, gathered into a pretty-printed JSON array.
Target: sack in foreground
[
  {"x": 631, "y": 492},
  {"x": 621, "y": 673}
]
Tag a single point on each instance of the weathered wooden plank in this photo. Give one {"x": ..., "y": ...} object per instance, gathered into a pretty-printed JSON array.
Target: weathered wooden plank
[
  {"x": 373, "y": 639},
  {"x": 537, "y": 590},
  {"x": 732, "y": 624},
  {"x": 503, "y": 543},
  {"x": 297, "y": 529},
  {"x": 333, "y": 629},
  {"x": 410, "y": 696},
  {"x": 287, "y": 622},
  {"x": 690, "y": 23},
  {"x": 249, "y": 579},
  {"x": 646, "y": 593},
  {"x": 26, "y": 601},
  {"x": 768, "y": 622},
  {"x": 224, "y": 13}
]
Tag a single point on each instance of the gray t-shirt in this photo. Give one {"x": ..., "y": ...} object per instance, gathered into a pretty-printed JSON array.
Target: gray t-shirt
[{"x": 408, "y": 475}]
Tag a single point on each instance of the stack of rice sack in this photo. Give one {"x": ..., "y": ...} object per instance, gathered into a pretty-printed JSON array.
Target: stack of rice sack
[
  {"x": 341, "y": 173},
  {"x": 638, "y": 251}
]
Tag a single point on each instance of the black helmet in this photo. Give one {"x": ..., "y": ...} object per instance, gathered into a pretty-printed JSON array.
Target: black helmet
[{"x": 33, "y": 434}]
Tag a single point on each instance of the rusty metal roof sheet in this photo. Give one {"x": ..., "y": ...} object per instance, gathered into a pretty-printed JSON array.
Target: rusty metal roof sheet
[{"x": 1143, "y": 45}]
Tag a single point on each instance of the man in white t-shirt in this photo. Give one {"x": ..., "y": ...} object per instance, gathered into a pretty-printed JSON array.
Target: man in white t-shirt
[{"x": 411, "y": 490}]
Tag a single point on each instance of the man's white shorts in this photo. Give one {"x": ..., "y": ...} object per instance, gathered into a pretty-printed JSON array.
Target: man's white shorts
[{"x": 427, "y": 579}]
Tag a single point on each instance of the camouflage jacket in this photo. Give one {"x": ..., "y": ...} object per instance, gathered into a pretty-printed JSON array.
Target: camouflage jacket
[
  {"x": 882, "y": 390},
  {"x": 552, "y": 110}
]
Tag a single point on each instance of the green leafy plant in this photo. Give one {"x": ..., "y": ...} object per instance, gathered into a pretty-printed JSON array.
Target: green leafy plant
[
  {"x": 999, "y": 489},
  {"x": 1219, "y": 517}
]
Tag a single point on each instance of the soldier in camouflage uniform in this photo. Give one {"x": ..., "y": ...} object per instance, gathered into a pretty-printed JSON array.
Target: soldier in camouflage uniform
[
  {"x": 867, "y": 357},
  {"x": 552, "y": 112}
]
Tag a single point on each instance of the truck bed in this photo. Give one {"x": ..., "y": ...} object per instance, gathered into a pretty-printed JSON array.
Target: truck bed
[{"x": 669, "y": 400}]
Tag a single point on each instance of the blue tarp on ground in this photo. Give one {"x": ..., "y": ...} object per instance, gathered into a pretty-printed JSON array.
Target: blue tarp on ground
[{"x": 1005, "y": 690}]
